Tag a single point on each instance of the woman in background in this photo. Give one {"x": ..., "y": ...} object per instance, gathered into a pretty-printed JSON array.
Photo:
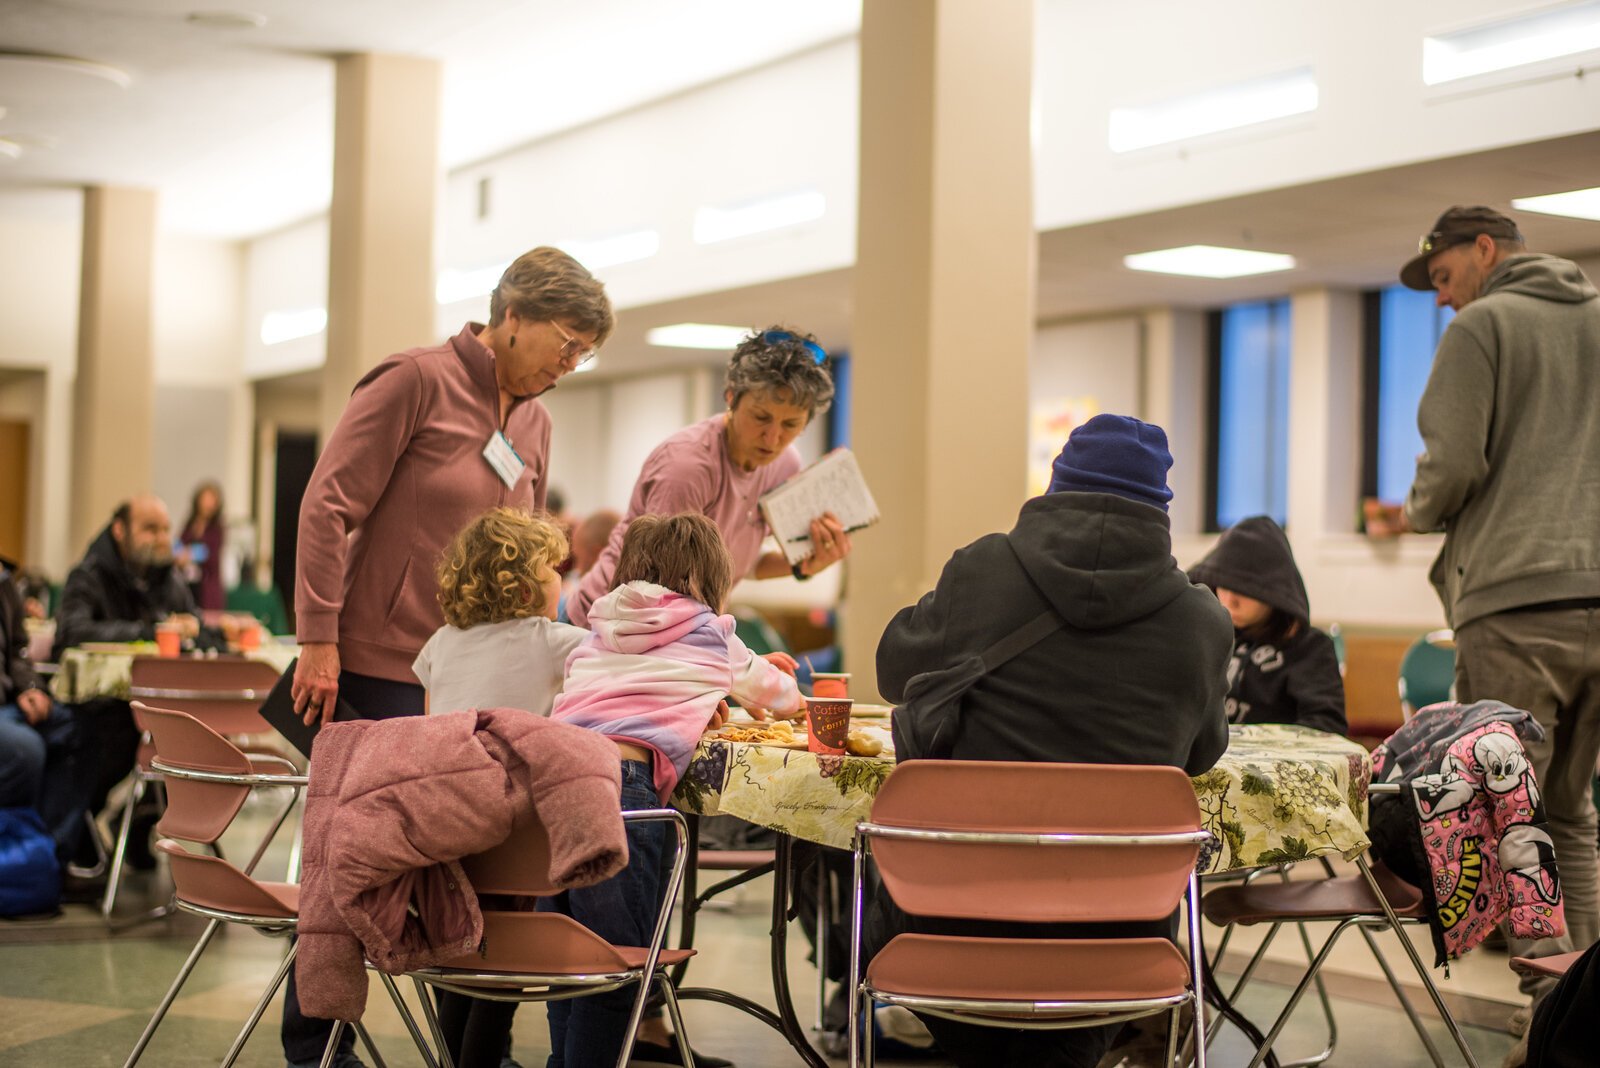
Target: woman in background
[{"x": 200, "y": 555}]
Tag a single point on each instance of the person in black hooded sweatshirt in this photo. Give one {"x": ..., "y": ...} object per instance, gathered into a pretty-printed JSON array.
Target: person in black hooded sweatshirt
[
  {"x": 1134, "y": 675},
  {"x": 1284, "y": 670}
]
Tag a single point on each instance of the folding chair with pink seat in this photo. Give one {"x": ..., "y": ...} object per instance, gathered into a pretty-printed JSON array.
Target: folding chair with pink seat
[
  {"x": 208, "y": 779},
  {"x": 547, "y": 956},
  {"x": 225, "y": 693},
  {"x": 1031, "y": 843}
]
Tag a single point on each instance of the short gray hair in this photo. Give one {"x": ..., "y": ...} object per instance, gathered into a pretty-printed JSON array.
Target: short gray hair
[
  {"x": 780, "y": 360},
  {"x": 546, "y": 283}
]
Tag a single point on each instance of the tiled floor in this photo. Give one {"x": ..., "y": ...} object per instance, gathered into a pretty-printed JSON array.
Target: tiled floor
[{"x": 73, "y": 995}]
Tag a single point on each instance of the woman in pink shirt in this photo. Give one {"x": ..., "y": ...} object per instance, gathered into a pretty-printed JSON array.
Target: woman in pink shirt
[
  {"x": 777, "y": 382},
  {"x": 431, "y": 438}
]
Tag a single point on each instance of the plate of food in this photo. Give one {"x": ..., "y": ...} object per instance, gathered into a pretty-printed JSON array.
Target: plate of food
[{"x": 781, "y": 734}]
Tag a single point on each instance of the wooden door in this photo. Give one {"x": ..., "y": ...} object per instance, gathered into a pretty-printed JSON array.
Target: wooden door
[{"x": 14, "y": 441}]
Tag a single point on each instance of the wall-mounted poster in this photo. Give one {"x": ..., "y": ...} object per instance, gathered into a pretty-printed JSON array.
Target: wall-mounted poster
[{"x": 1051, "y": 421}]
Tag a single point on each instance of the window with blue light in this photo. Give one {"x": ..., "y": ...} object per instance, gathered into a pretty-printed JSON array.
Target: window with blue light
[
  {"x": 1250, "y": 412},
  {"x": 839, "y": 414},
  {"x": 1403, "y": 329}
]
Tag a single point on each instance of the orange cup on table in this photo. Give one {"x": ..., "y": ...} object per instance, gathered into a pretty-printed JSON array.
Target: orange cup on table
[
  {"x": 249, "y": 636},
  {"x": 827, "y": 724},
  {"x": 169, "y": 639},
  {"x": 830, "y": 684}
]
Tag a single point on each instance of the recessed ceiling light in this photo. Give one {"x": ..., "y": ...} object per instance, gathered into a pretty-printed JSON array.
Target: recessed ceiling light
[
  {"x": 724, "y": 222},
  {"x": 77, "y": 64},
  {"x": 598, "y": 253},
  {"x": 697, "y": 336},
  {"x": 226, "y": 20},
  {"x": 1564, "y": 30},
  {"x": 292, "y": 323},
  {"x": 1213, "y": 110},
  {"x": 453, "y": 286},
  {"x": 10, "y": 149},
  {"x": 1209, "y": 261},
  {"x": 1578, "y": 204}
]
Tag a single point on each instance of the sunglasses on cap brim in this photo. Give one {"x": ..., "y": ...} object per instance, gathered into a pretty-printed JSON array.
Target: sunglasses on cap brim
[{"x": 819, "y": 355}]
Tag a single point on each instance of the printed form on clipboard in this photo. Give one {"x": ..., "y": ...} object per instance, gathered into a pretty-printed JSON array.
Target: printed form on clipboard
[{"x": 832, "y": 484}]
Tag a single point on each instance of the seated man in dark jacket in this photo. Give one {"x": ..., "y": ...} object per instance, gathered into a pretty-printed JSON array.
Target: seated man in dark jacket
[
  {"x": 123, "y": 587},
  {"x": 126, "y": 582},
  {"x": 1136, "y": 673}
]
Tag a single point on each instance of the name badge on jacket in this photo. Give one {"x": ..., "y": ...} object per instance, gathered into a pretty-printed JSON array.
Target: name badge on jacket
[{"x": 504, "y": 459}]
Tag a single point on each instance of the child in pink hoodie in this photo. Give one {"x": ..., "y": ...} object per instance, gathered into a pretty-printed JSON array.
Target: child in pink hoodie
[{"x": 651, "y": 678}]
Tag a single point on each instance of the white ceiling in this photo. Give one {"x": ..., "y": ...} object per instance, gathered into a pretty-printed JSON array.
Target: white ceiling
[{"x": 235, "y": 126}]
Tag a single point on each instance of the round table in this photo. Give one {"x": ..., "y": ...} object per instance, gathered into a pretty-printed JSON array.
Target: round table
[{"x": 103, "y": 669}]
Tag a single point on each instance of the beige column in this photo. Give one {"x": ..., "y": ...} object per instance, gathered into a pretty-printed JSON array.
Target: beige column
[
  {"x": 944, "y": 293},
  {"x": 1175, "y": 382},
  {"x": 1324, "y": 414},
  {"x": 380, "y": 233},
  {"x": 114, "y": 391}
]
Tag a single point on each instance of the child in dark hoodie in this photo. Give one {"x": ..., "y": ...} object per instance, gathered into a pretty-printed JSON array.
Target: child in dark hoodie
[{"x": 1284, "y": 670}]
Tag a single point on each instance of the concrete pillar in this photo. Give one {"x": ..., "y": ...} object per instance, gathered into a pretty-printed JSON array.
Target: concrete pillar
[
  {"x": 1324, "y": 413},
  {"x": 1175, "y": 381},
  {"x": 114, "y": 391},
  {"x": 944, "y": 293},
  {"x": 380, "y": 234}
]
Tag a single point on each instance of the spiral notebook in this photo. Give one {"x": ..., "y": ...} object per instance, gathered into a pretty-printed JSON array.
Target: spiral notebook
[{"x": 832, "y": 484}]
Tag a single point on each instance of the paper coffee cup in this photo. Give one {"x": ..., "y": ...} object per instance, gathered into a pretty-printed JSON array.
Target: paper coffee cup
[
  {"x": 169, "y": 639},
  {"x": 830, "y": 683},
  {"x": 827, "y": 724}
]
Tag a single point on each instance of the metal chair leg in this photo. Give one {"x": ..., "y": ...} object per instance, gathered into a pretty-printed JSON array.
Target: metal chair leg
[
  {"x": 332, "y": 1050},
  {"x": 409, "y": 1020},
  {"x": 1417, "y": 964},
  {"x": 675, "y": 1013},
  {"x": 1299, "y": 991},
  {"x": 172, "y": 994},
  {"x": 372, "y": 1048},
  {"x": 425, "y": 996},
  {"x": 1405, "y": 1002},
  {"x": 1173, "y": 1024},
  {"x": 135, "y": 795},
  {"x": 261, "y": 1007},
  {"x": 822, "y": 945}
]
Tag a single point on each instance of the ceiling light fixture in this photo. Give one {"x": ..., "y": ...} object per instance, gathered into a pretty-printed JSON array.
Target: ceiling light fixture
[
  {"x": 292, "y": 324},
  {"x": 1209, "y": 261},
  {"x": 1222, "y": 107},
  {"x": 226, "y": 20},
  {"x": 601, "y": 252},
  {"x": 697, "y": 336},
  {"x": 10, "y": 149},
  {"x": 724, "y": 222},
  {"x": 454, "y": 286},
  {"x": 1577, "y": 204},
  {"x": 1515, "y": 42},
  {"x": 77, "y": 64}
]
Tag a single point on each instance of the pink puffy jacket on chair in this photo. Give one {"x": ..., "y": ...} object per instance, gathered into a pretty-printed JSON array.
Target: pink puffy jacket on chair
[{"x": 393, "y": 805}]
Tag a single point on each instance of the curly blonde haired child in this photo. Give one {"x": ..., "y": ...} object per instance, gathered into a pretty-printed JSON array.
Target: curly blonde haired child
[
  {"x": 498, "y": 567},
  {"x": 500, "y": 646}
]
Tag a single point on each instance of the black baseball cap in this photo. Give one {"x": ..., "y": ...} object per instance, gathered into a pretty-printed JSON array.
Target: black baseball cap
[{"x": 1457, "y": 226}]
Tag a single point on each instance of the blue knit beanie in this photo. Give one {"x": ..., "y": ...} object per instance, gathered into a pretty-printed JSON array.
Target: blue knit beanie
[{"x": 1115, "y": 454}]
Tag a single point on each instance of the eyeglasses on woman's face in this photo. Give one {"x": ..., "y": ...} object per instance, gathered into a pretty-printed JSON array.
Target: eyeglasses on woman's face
[{"x": 573, "y": 354}]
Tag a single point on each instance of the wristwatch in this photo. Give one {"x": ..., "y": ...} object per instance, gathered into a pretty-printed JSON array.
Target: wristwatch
[{"x": 799, "y": 575}]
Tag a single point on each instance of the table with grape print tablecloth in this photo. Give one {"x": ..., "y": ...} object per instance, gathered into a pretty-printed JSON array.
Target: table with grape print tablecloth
[{"x": 1280, "y": 793}]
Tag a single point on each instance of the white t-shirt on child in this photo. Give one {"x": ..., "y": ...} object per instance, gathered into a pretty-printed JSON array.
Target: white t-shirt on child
[{"x": 519, "y": 663}]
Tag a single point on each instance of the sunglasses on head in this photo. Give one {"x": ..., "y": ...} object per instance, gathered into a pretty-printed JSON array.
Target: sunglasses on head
[{"x": 819, "y": 355}]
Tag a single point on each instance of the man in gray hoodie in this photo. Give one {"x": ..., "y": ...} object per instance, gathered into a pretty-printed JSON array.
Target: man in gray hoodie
[{"x": 1511, "y": 474}]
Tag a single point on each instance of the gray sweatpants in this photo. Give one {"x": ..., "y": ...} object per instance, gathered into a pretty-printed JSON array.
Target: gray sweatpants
[{"x": 1548, "y": 663}]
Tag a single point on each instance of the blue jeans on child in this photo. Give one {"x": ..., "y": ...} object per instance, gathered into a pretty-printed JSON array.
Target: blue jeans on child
[{"x": 588, "y": 1032}]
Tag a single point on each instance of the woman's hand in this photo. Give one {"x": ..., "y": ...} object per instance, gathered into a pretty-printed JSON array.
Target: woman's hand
[
  {"x": 316, "y": 682},
  {"x": 829, "y": 544},
  {"x": 783, "y": 662},
  {"x": 719, "y": 717}
]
